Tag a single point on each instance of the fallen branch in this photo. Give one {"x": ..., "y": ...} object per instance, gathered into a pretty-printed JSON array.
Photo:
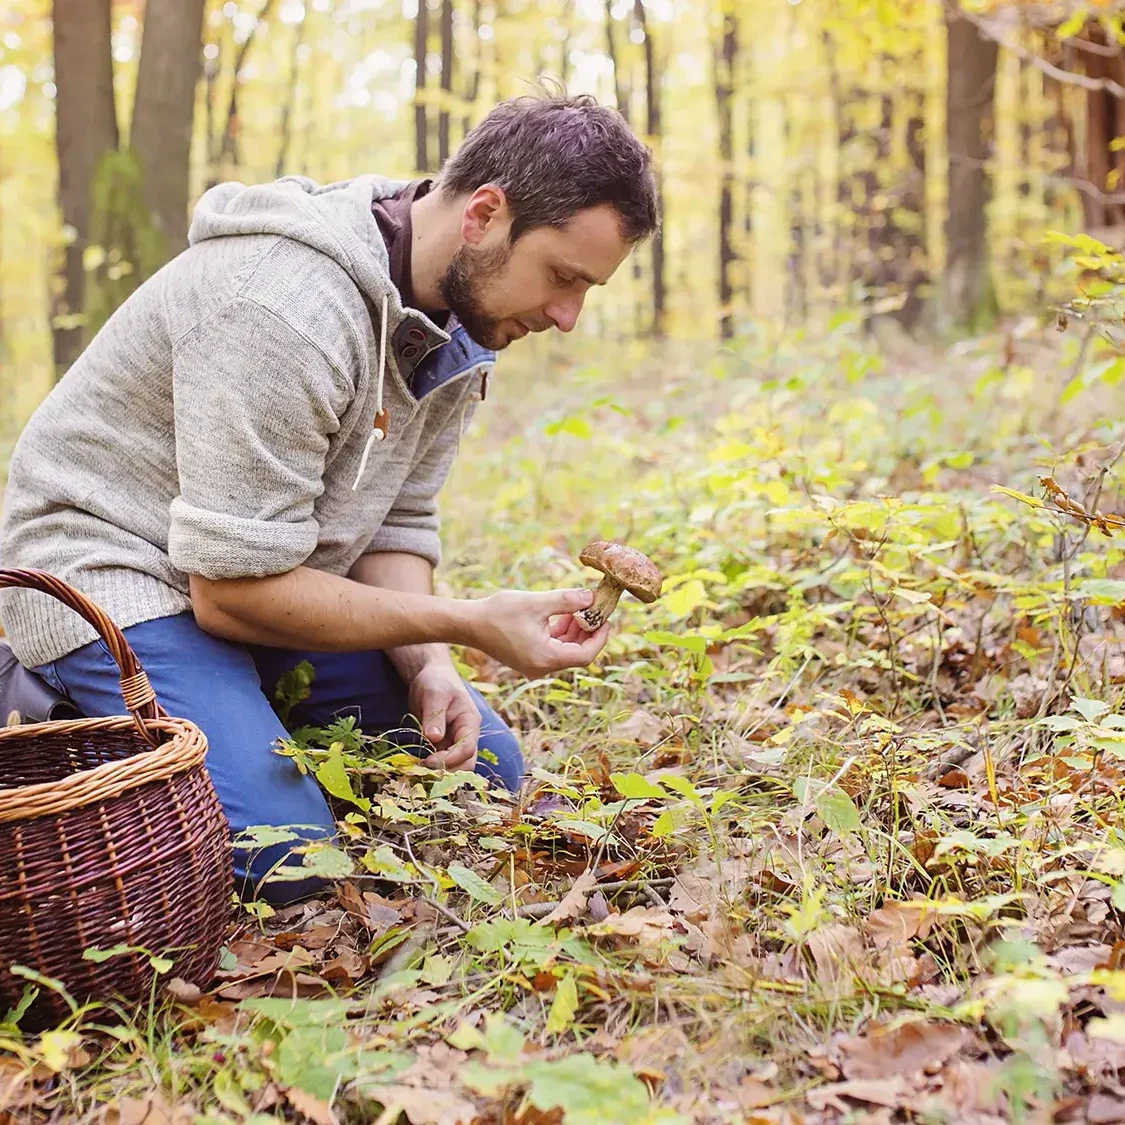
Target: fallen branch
[
  {"x": 1105, "y": 522},
  {"x": 542, "y": 909}
]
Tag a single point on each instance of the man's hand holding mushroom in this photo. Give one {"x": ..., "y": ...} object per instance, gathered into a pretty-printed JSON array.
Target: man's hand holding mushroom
[{"x": 538, "y": 634}]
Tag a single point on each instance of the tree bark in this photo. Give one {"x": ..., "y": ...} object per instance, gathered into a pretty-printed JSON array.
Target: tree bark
[
  {"x": 171, "y": 52},
  {"x": 654, "y": 128},
  {"x": 966, "y": 290},
  {"x": 421, "y": 123},
  {"x": 724, "y": 90},
  {"x": 472, "y": 87},
  {"x": 86, "y": 131},
  {"x": 446, "y": 79},
  {"x": 620, "y": 96}
]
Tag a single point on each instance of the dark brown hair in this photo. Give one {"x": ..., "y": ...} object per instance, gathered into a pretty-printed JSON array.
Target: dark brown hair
[{"x": 554, "y": 156}]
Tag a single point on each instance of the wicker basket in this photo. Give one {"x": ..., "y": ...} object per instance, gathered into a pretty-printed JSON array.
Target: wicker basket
[{"x": 110, "y": 834}]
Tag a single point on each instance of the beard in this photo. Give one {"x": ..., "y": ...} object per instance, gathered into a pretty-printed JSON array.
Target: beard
[{"x": 462, "y": 285}]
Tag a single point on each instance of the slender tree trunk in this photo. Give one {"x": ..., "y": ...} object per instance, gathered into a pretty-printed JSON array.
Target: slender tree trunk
[
  {"x": 228, "y": 158},
  {"x": 86, "y": 131},
  {"x": 620, "y": 96},
  {"x": 724, "y": 90},
  {"x": 966, "y": 290},
  {"x": 285, "y": 127},
  {"x": 654, "y": 128},
  {"x": 446, "y": 79},
  {"x": 472, "y": 89},
  {"x": 569, "y": 9},
  {"x": 421, "y": 122},
  {"x": 167, "y": 74}
]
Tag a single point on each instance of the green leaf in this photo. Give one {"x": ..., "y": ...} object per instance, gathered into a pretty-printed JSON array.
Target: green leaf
[
  {"x": 838, "y": 812},
  {"x": 585, "y": 828},
  {"x": 332, "y": 774},
  {"x": 1090, "y": 709},
  {"x": 693, "y": 642},
  {"x": 438, "y": 969},
  {"x": 99, "y": 955},
  {"x": 503, "y": 1041},
  {"x": 682, "y": 786},
  {"x": 304, "y": 1060},
  {"x": 324, "y": 861},
  {"x": 455, "y": 780},
  {"x": 576, "y": 426},
  {"x": 588, "y": 1090},
  {"x": 635, "y": 787},
  {"x": 685, "y": 599},
  {"x": 161, "y": 964},
  {"x": 229, "y": 1093},
  {"x": 473, "y": 885},
  {"x": 1031, "y": 501},
  {"x": 55, "y": 1047},
  {"x": 564, "y": 1006}
]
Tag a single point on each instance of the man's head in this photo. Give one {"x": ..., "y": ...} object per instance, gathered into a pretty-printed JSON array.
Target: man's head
[{"x": 556, "y": 191}]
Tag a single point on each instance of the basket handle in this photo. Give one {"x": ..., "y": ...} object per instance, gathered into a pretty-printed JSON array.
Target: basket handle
[{"x": 140, "y": 699}]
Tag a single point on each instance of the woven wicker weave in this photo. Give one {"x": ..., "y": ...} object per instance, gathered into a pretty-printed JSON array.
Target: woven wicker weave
[{"x": 110, "y": 834}]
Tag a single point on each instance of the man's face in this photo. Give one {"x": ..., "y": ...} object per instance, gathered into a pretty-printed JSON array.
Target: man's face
[{"x": 501, "y": 292}]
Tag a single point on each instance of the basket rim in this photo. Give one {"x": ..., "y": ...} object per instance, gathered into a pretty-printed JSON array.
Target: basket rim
[{"x": 184, "y": 749}]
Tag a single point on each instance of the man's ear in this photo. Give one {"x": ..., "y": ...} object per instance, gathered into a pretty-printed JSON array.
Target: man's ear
[{"x": 486, "y": 208}]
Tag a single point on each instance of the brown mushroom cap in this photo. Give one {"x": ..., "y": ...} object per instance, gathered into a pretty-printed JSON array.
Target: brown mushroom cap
[{"x": 636, "y": 572}]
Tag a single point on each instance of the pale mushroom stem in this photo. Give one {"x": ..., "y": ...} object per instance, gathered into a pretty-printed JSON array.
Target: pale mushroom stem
[{"x": 605, "y": 602}]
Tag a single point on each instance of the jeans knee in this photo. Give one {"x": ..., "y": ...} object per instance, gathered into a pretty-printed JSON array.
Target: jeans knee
[{"x": 507, "y": 769}]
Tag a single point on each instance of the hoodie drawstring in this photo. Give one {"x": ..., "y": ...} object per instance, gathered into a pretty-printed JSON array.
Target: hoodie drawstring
[{"x": 379, "y": 430}]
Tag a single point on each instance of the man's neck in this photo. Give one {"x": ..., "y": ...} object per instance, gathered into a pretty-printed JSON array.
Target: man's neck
[{"x": 435, "y": 235}]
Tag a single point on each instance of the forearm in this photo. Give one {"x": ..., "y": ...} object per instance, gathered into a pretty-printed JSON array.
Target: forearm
[
  {"x": 394, "y": 570},
  {"x": 321, "y": 612}
]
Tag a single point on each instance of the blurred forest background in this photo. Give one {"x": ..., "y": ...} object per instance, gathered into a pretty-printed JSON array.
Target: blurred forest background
[{"x": 889, "y": 156}]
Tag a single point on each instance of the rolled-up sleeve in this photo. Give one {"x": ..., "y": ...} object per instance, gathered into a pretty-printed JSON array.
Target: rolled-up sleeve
[{"x": 255, "y": 405}]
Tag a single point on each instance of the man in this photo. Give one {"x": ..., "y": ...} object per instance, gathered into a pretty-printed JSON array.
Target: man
[{"x": 241, "y": 467}]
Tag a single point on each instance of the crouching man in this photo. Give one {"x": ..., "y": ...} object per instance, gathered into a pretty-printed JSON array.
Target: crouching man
[{"x": 241, "y": 468}]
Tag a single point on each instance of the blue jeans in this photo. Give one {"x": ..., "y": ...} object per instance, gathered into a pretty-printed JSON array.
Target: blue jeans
[{"x": 227, "y": 690}]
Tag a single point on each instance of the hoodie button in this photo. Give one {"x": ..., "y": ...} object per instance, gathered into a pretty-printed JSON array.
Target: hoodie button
[
  {"x": 409, "y": 352},
  {"x": 417, "y": 334}
]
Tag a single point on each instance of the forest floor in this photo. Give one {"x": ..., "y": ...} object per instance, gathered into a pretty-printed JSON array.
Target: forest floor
[{"x": 831, "y": 833}]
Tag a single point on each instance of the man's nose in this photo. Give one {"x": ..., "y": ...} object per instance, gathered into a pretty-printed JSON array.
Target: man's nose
[{"x": 564, "y": 314}]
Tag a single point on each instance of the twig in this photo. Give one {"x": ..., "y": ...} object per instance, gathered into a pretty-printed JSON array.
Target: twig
[
  {"x": 444, "y": 910},
  {"x": 541, "y": 909},
  {"x": 1056, "y": 72}
]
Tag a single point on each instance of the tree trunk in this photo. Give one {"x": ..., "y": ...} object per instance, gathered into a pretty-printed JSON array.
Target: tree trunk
[
  {"x": 654, "y": 128},
  {"x": 569, "y": 9},
  {"x": 967, "y": 299},
  {"x": 620, "y": 96},
  {"x": 724, "y": 90},
  {"x": 421, "y": 123},
  {"x": 446, "y": 79},
  {"x": 472, "y": 88},
  {"x": 225, "y": 155},
  {"x": 171, "y": 50},
  {"x": 288, "y": 106},
  {"x": 86, "y": 131}
]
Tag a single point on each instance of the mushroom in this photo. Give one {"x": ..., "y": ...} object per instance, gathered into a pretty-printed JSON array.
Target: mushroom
[{"x": 624, "y": 569}]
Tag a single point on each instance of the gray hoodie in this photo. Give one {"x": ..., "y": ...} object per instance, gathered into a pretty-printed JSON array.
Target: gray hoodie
[{"x": 217, "y": 423}]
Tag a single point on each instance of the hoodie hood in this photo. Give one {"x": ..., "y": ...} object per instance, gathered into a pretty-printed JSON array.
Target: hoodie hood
[{"x": 334, "y": 219}]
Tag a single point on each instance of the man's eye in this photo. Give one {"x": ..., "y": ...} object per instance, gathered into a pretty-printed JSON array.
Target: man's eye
[{"x": 560, "y": 280}]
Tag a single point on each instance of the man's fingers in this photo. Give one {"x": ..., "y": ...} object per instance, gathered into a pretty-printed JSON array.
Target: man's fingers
[
  {"x": 575, "y": 654},
  {"x": 435, "y": 706},
  {"x": 555, "y": 602},
  {"x": 460, "y": 757}
]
